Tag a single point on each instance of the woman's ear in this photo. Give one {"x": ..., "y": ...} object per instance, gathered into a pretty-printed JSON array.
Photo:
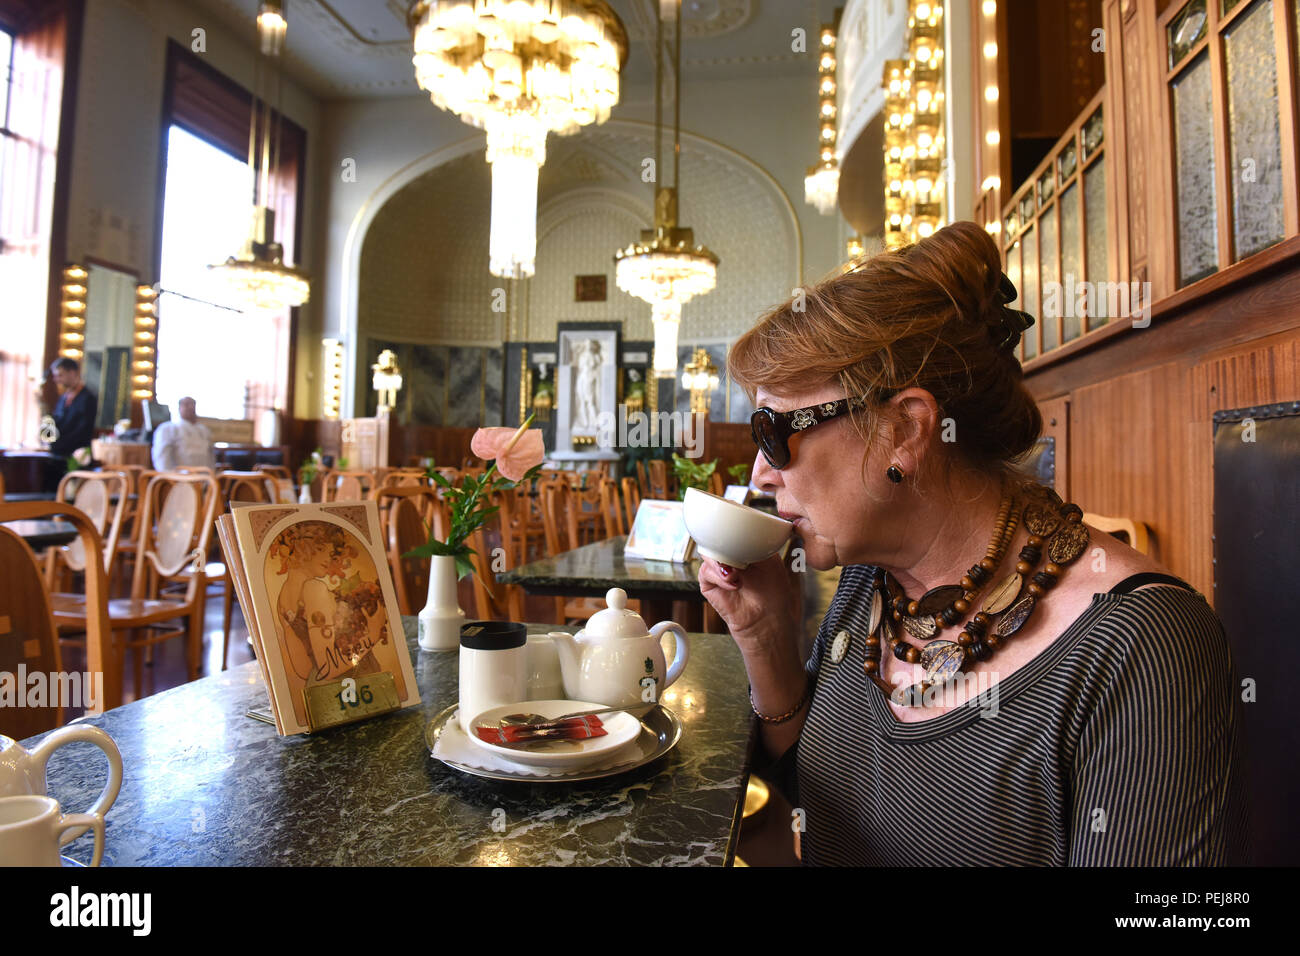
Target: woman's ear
[{"x": 913, "y": 422}]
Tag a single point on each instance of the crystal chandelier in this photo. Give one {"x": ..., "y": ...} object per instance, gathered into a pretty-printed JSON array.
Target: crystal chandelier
[
  {"x": 821, "y": 187},
  {"x": 666, "y": 268},
  {"x": 258, "y": 276},
  {"x": 518, "y": 69}
]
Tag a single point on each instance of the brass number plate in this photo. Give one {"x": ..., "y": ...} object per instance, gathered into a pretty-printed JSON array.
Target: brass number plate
[{"x": 344, "y": 701}]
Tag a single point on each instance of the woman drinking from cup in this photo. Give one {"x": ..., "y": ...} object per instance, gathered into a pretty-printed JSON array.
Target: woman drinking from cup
[{"x": 993, "y": 682}]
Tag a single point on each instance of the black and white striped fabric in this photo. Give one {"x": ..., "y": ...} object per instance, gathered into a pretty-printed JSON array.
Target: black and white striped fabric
[{"x": 1117, "y": 745}]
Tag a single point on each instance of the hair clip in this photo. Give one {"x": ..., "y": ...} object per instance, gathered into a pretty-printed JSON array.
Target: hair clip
[{"x": 1014, "y": 322}]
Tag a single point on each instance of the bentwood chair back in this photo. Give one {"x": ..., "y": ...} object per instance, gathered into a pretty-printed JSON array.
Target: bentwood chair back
[
  {"x": 1137, "y": 533},
  {"x": 353, "y": 485},
  {"x": 403, "y": 478},
  {"x": 28, "y": 635},
  {"x": 102, "y": 496},
  {"x": 408, "y": 516},
  {"x": 177, "y": 512}
]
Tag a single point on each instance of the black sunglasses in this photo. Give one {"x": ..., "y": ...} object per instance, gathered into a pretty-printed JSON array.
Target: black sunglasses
[{"x": 772, "y": 430}]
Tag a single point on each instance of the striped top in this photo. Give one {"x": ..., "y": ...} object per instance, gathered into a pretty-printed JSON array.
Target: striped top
[{"x": 1116, "y": 745}]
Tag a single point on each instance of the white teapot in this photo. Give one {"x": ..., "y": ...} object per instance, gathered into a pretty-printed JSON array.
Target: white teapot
[
  {"x": 615, "y": 661},
  {"x": 23, "y": 772}
]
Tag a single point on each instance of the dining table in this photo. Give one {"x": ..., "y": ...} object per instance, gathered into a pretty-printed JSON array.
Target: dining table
[
  {"x": 204, "y": 784},
  {"x": 593, "y": 569},
  {"x": 42, "y": 533}
]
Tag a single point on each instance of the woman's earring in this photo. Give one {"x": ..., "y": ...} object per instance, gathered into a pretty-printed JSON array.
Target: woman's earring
[{"x": 894, "y": 474}]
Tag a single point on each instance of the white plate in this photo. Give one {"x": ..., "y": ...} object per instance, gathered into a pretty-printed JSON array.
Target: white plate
[{"x": 620, "y": 728}]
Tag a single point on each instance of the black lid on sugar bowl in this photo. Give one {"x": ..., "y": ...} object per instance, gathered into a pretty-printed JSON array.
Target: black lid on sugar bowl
[{"x": 493, "y": 635}]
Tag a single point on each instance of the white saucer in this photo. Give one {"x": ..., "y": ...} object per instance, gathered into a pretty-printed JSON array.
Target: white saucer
[{"x": 620, "y": 728}]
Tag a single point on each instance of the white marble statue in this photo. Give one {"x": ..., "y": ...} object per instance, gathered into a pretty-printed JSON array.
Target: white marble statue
[{"x": 587, "y": 360}]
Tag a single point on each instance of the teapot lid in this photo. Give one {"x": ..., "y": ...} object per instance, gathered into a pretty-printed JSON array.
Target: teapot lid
[{"x": 616, "y": 620}]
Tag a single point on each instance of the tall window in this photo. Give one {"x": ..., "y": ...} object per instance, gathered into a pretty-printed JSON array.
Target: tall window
[
  {"x": 31, "y": 90},
  {"x": 226, "y": 359},
  {"x": 235, "y": 364}
]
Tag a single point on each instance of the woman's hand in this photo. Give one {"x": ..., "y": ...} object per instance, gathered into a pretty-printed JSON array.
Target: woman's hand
[{"x": 761, "y": 604}]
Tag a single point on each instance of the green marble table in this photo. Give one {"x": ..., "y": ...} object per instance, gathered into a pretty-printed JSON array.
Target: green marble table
[
  {"x": 205, "y": 785},
  {"x": 42, "y": 533},
  {"x": 593, "y": 569}
]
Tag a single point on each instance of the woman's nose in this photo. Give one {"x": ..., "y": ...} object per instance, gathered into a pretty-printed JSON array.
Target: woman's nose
[{"x": 765, "y": 476}]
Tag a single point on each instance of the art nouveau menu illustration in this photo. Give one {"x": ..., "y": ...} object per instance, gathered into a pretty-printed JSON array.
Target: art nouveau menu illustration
[{"x": 323, "y": 604}]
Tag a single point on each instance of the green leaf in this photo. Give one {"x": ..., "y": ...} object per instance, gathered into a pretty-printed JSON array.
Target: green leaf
[{"x": 464, "y": 566}]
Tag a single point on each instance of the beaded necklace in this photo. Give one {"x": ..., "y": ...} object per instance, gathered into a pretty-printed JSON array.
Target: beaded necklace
[{"x": 1051, "y": 523}]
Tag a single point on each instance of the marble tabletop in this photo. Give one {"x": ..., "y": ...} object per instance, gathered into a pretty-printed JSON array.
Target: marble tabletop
[
  {"x": 205, "y": 785},
  {"x": 595, "y": 568},
  {"x": 42, "y": 532}
]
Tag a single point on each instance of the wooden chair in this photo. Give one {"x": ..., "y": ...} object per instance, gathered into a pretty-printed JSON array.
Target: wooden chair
[
  {"x": 612, "y": 509},
  {"x": 717, "y": 484},
  {"x": 91, "y": 493},
  {"x": 28, "y": 634},
  {"x": 560, "y": 519},
  {"x": 631, "y": 501},
  {"x": 1138, "y": 534},
  {"x": 347, "y": 485},
  {"x": 177, "y": 512},
  {"x": 402, "y": 478},
  {"x": 493, "y": 601},
  {"x": 407, "y": 516},
  {"x": 124, "y": 560},
  {"x": 657, "y": 477},
  {"x": 232, "y": 486}
]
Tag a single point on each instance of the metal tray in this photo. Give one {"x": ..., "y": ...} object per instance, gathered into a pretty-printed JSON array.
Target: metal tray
[{"x": 660, "y": 732}]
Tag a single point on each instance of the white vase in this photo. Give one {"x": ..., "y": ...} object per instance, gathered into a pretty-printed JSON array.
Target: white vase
[
  {"x": 441, "y": 618},
  {"x": 304, "y": 496}
]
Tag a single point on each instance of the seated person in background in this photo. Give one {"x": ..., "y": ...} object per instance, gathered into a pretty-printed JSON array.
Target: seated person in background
[
  {"x": 74, "y": 412},
  {"x": 183, "y": 443}
]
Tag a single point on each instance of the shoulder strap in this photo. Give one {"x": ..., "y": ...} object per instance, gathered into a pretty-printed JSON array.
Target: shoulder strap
[{"x": 1134, "y": 581}]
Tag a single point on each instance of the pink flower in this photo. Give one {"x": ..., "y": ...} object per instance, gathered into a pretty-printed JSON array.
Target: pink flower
[{"x": 515, "y": 449}]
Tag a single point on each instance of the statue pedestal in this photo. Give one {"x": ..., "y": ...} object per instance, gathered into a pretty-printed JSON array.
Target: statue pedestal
[{"x": 599, "y": 460}]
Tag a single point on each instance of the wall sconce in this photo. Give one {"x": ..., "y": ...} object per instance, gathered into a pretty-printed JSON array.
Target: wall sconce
[
  {"x": 144, "y": 356},
  {"x": 701, "y": 377},
  {"x": 72, "y": 328},
  {"x": 387, "y": 380},
  {"x": 332, "y": 360}
]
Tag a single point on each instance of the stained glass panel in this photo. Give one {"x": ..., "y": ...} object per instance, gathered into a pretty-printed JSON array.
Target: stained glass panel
[
  {"x": 1198, "y": 251},
  {"x": 1254, "y": 130},
  {"x": 1053, "y": 305},
  {"x": 1094, "y": 204},
  {"x": 1071, "y": 262},
  {"x": 1029, "y": 288}
]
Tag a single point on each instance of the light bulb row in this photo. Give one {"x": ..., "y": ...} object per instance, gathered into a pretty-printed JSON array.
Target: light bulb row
[{"x": 821, "y": 185}]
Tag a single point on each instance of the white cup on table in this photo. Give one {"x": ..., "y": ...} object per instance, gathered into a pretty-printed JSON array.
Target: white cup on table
[{"x": 30, "y": 828}]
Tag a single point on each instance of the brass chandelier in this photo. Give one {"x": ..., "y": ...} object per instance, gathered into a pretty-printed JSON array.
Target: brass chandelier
[
  {"x": 258, "y": 275},
  {"x": 666, "y": 268}
]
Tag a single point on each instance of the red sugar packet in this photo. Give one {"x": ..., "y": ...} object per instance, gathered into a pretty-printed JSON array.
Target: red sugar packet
[{"x": 575, "y": 728}]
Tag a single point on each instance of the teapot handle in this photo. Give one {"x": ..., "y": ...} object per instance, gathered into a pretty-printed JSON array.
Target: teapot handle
[
  {"x": 681, "y": 649},
  {"x": 92, "y": 735}
]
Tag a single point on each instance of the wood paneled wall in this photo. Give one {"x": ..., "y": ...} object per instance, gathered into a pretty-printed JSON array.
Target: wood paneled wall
[{"x": 1139, "y": 404}]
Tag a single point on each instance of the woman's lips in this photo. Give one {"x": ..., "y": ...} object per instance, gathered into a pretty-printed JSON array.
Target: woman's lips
[{"x": 788, "y": 516}]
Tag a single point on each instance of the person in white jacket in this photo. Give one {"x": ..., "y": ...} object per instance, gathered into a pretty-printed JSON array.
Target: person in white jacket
[{"x": 182, "y": 443}]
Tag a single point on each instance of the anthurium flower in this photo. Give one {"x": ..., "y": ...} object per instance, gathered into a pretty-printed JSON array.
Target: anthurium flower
[{"x": 514, "y": 449}]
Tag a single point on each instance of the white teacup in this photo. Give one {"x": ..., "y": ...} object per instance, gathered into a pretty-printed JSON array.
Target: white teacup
[
  {"x": 31, "y": 827},
  {"x": 732, "y": 533}
]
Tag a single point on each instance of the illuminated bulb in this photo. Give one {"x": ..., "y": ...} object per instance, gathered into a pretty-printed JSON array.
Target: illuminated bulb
[
  {"x": 924, "y": 229},
  {"x": 990, "y": 50},
  {"x": 993, "y": 227},
  {"x": 990, "y": 7},
  {"x": 992, "y": 137},
  {"x": 991, "y": 94},
  {"x": 923, "y": 55},
  {"x": 828, "y": 62},
  {"x": 993, "y": 182},
  {"x": 923, "y": 11},
  {"x": 924, "y": 141}
]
